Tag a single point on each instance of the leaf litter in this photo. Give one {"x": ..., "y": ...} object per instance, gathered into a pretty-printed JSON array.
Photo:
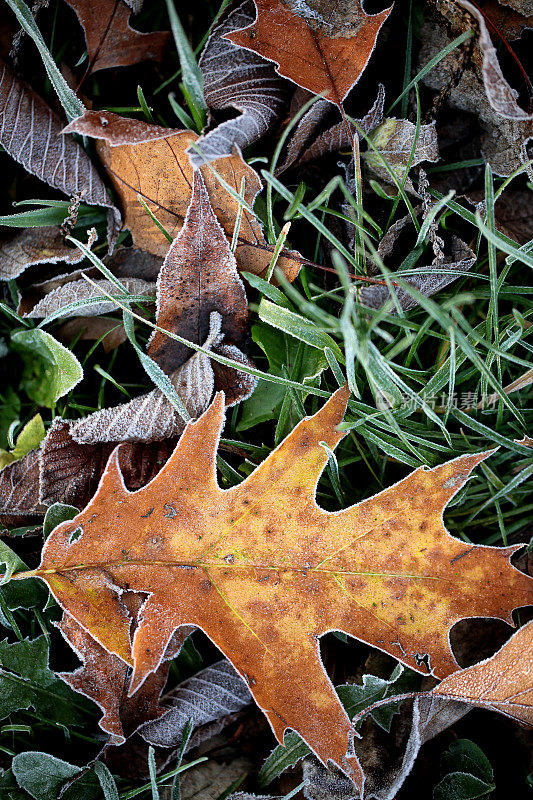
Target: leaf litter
[{"x": 260, "y": 559}]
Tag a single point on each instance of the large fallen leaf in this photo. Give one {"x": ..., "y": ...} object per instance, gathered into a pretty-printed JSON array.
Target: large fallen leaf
[
  {"x": 265, "y": 572},
  {"x": 324, "y": 47},
  {"x": 111, "y": 41},
  {"x": 152, "y": 161},
  {"x": 236, "y": 78},
  {"x": 31, "y": 133}
]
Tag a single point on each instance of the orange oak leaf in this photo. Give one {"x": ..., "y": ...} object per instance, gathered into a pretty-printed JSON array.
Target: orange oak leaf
[
  {"x": 265, "y": 572},
  {"x": 111, "y": 41},
  {"x": 321, "y": 46},
  {"x": 501, "y": 683},
  {"x": 151, "y": 161}
]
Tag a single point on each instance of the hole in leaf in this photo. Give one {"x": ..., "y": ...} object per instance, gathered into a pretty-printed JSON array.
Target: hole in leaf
[{"x": 75, "y": 535}]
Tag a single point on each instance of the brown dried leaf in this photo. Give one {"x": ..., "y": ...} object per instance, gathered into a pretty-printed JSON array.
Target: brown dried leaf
[
  {"x": 70, "y": 472},
  {"x": 500, "y": 95},
  {"x": 236, "y": 78},
  {"x": 104, "y": 679},
  {"x": 265, "y": 572},
  {"x": 22, "y": 249},
  {"x": 152, "y": 161},
  {"x": 429, "y": 280},
  {"x": 78, "y": 291},
  {"x": 303, "y": 147},
  {"x": 198, "y": 277},
  {"x": 111, "y": 41},
  {"x": 200, "y": 297},
  {"x": 19, "y": 488},
  {"x": 129, "y": 262},
  {"x": 91, "y": 329},
  {"x": 151, "y": 417},
  {"x": 503, "y": 682},
  {"x": 322, "y": 46},
  {"x": 504, "y": 141},
  {"x": 32, "y": 134}
]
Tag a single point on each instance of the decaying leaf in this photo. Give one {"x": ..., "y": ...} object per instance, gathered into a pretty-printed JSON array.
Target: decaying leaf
[
  {"x": 111, "y": 41},
  {"x": 200, "y": 297},
  {"x": 80, "y": 291},
  {"x": 69, "y": 472},
  {"x": 214, "y": 693},
  {"x": 402, "y": 147},
  {"x": 19, "y": 488},
  {"x": 265, "y": 572},
  {"x": 104, "y": 679},
  {"x": 31, "y": 133},
  {"x": 503, "y": 682},
  {"x": 30, "y": 246},
  {"x": 322, "y": 46},
  {"x": 151, "y": 417},
  {"x": 500, "y": 95},
  {"x": 505, "y": 140},
  {"x": 428, "y": 280},
  {"x": 304, "y": 145},
  {"x": 236, "y": 78},
  {"x": 199, "y": 277},
  {"x": 152, "y": 161}
]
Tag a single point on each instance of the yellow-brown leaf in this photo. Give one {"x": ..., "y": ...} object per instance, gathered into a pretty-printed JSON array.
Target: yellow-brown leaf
[{"x": 265, "y": 572}]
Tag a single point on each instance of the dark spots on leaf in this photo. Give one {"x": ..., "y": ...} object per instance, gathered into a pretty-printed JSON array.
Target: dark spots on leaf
[
  {"x": 148, "y": 513},
  {"x": 170, "y": 511},
  {"x": 206, "y": 585}
]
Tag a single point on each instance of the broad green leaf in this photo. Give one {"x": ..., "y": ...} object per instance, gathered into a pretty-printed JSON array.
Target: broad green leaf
[
  {"x": 28, "y": 439},
  {"x": 29, "y": 594},
  {"x": 57, "y": 513},
  {"x": 26, "y": 681},
  {"x": 43, "y": 776},
  {"x": 282, "y": 352},
  {"x": 50, "y": 370}
]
